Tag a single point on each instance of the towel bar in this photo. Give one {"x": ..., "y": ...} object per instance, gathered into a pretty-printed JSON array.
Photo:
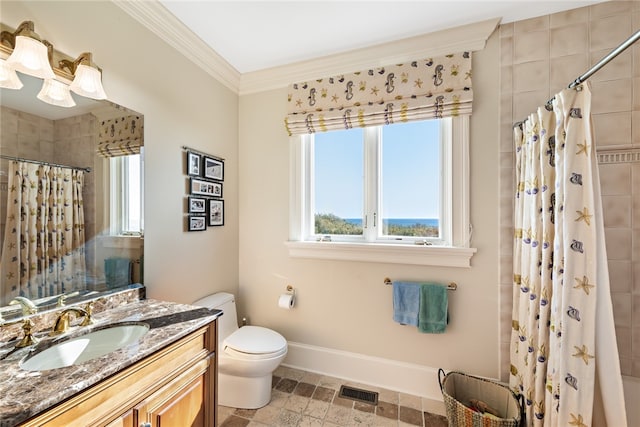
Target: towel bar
[{"x": 452, "y": 286}]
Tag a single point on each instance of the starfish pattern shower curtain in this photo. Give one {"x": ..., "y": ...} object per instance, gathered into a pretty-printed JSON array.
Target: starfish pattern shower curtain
[
  {"x": 43, "y": 249},
  {"x": 562, "y": 327}
]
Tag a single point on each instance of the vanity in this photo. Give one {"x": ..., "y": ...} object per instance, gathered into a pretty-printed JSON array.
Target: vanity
[{"x": 166, "y": 377}]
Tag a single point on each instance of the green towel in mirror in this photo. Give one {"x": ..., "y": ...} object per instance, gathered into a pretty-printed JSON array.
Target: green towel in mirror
[{"x": 117, "y": 272}]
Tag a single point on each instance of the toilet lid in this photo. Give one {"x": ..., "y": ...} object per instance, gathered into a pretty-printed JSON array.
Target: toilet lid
[{"x": 255, "y": 340}]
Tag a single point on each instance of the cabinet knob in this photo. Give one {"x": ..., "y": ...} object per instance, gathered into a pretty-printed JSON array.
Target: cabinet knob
[{"x": 145, "y": 425}]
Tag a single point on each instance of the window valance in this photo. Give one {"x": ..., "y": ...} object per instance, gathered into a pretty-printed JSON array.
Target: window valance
[
  {"x": 418, "y": 90},
  {"x": 121, "y": 136}
]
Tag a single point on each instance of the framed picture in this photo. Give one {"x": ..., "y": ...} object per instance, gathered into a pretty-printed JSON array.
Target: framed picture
[
  {"x": 206, "y": 188},
  {"x": 213, "y": 168},
  {"x": 216, "y": 212},
  {"x": 197, "y": 205},
  {"x": 194, "y": 164},
  {"x": 216, "y": 189},
  {"x": 197, "y": 222}
]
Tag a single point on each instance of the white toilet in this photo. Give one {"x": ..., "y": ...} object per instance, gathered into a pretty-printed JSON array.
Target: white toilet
[{"x": 247, "y": 356}]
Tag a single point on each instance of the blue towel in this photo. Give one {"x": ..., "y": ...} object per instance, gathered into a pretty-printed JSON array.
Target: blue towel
[
  {"x": 406, "y": 303},
  {"x": 434, "y": 308}
]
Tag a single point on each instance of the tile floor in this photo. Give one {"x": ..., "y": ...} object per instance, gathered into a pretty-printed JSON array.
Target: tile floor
[{"x": 301, "y": 398}]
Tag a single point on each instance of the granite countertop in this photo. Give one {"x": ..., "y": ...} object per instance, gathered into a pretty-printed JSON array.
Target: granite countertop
[{"x": 24, "y": 394}]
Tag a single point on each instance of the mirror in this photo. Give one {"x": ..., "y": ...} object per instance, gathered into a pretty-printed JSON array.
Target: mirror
[{"x": 112, "y": 252}]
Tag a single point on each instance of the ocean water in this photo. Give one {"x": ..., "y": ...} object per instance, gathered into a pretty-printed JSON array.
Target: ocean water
[{"x": 407, "y": 222}]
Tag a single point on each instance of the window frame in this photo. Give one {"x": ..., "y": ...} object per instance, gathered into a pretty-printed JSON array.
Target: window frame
[
  {"x": 118, "y": 211},
  {"x": 453, "y": 251}
]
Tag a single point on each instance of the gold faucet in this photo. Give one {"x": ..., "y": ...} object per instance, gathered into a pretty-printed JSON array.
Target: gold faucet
[
  {"x": 28, "y": 339},
  {"x": 62, "y": 322},
  {"x": 28, "y": 307},
  {"x": 62, "y": 298}
]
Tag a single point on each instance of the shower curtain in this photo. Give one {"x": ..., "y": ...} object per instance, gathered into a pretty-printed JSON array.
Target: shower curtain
[
  {"x": 43, "y": 249},
  {"x": 562, "y": 335}
]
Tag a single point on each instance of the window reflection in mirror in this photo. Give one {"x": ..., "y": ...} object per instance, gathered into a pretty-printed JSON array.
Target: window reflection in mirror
[{"x": 42, "y": 260}]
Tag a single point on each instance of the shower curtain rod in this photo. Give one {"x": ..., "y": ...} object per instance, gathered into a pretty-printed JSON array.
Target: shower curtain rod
[
  {"x": 604, "y": 61},
  {"x": 20, "y": 159}
]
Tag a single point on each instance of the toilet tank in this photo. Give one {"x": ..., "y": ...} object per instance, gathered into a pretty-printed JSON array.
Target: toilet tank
[{"x": 228, "y": 322}]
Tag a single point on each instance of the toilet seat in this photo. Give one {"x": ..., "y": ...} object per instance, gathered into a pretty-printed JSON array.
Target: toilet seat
[
  {"x": 254, "y": 343},
  {"x": 238, "y": 355}
]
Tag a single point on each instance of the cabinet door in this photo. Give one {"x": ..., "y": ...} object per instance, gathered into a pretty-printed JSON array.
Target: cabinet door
[
  {"x": 182, "y": 402},
  {"x": 126, "y": 420},
  {"x": 185, "y": 409}
]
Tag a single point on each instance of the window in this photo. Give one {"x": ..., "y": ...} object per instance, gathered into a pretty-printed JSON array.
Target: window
[
  {"x": 379, "y": 183},
  {"x": 400, "y": 187},
  {"x": 126, "y": 195}
]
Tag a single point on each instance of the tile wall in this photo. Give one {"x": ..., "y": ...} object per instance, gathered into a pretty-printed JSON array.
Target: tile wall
[
  {"x": 540, "y": 57},
  {"x": 21, "y": 135},
  {"x": 75, "y": 141}
]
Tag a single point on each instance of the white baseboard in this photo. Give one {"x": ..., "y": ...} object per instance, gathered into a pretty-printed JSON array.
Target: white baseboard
[{"x": 378, "y": 372}]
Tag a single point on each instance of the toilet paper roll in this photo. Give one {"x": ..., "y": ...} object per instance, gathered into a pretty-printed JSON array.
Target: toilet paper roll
[{"x": 286, "y": 301}]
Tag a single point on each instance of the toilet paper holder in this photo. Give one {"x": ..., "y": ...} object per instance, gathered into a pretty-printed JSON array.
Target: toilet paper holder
[{"x": 287, "y": 299}]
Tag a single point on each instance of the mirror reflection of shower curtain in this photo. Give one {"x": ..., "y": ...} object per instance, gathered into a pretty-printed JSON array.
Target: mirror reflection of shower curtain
[
  {"x": 563, "y": 334},
  {"x": 43, "y": 248}
]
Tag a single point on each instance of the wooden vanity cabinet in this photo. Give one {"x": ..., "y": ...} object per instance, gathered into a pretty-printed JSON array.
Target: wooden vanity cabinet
[
  {"x": 180, "y": 403},
  {"x": 174, "y": 387},
  {"x": 125, "y": 420}
]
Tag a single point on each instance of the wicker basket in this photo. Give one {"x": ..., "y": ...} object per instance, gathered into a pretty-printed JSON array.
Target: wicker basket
[{"x": 459, "y": 389}]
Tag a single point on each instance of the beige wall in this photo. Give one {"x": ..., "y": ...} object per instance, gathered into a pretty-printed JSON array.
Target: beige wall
[
  {"x": 182, "y": 105},
  {"x": 541, "y": 56},
  {"x": 344, "y": 305}
]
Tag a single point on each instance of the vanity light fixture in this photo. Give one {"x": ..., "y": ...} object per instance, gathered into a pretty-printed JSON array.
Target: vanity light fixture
[
  {"x": 56, "y": 93},
  {"x": 87, "y": 76},
  {"x": 8, "y": 77},
  {"x": 30, "y": 55}
]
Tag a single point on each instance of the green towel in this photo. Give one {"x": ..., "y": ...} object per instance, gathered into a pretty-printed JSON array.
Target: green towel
[
  {"x": 433, "y": 315},
  {"x": 117, "y": 272}
]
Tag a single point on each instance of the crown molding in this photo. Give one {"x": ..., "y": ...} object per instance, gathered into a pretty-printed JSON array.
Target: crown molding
[
  {"x": 162, "y": 23},
  {"x": 469, "y": 37}
]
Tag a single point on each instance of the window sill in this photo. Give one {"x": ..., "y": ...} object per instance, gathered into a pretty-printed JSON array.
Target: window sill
[
  {"x": 121, "y": 242},
  {"x": 443, "y": 256}
]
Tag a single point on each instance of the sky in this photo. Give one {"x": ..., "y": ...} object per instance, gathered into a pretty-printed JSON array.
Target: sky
[{"x": 410, "y": 171}]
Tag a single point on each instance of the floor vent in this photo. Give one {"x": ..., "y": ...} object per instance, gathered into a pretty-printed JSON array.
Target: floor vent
[{"x": 360, "y": 395}]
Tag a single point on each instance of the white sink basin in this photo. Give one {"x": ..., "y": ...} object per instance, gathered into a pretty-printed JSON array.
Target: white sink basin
[{"x": 85, "y": 347}]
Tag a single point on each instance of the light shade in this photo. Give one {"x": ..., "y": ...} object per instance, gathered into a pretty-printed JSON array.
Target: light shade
[
  {"x": 56, "y": 93},
  {"x": 30, "y": 57},
  {"x": 88, "y": 82},
  {"x": 8, "y": 77}
]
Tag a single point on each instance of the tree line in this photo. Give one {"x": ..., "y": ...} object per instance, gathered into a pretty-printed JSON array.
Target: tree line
[{"x": 332, "y": 224}]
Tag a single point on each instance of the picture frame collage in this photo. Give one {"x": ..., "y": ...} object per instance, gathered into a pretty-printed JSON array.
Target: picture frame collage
[{"x": 205, "y": 205}]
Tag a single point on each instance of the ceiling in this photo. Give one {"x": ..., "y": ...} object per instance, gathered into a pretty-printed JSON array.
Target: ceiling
[{"x": 258, "y": 35}]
